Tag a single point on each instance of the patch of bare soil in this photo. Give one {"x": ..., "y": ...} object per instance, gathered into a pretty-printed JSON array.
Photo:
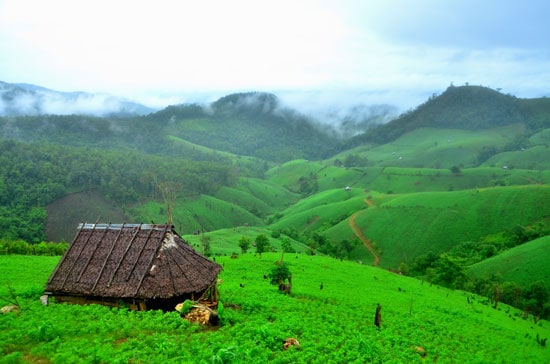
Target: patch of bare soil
[
  {"x": 357, "y": 231},
  {"x": 66, "y": 213}
]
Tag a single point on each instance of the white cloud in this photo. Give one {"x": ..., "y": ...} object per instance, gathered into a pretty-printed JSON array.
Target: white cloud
[{"x": 402, "y": 49}]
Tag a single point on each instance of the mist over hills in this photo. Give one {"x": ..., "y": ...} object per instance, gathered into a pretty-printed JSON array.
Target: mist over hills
[
  {"x": 255, "y": 124},
  {"x": 24, "y": 99},
  {"x": 348, "y": 119}
]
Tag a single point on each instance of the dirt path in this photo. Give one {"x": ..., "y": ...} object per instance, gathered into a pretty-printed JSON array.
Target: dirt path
[{"x": 363, "y": 238}]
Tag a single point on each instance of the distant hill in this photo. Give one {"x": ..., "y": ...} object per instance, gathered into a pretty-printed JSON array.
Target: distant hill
[
  {"x": 254, "y": 124},
  {"x": 465, "y": 107},
  {"x": 211, "y": 157},
  {"x": 248, "y": 124},
  {"x": 17, "y": 99}
]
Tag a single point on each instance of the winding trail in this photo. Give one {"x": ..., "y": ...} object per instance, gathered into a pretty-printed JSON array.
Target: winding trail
[{"x": 357, "y": 231}]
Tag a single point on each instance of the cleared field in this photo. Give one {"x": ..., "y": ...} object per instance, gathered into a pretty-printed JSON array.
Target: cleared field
[{"x": 335, "y": 324}]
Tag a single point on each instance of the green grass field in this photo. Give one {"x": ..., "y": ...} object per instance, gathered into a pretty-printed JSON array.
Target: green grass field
[
  {"x": 26, "y": 274},
  {"x": 522, "y": 264},
  {"x": 323, "y": 209},
  {"x": 333, "y": 325},
  {"x": 535, "y": 158}
]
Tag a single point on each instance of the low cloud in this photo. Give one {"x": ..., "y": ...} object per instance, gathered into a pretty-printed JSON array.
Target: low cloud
[{"x": 16, "y": 100}]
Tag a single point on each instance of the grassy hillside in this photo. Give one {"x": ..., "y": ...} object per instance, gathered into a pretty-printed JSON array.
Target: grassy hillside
[
  {"x": 408, "y": 225},
  {"x": 225, "y": 242},
  {"x": 436, "y": 147},
  {"x": 321, "y": 210},
  {"x": 246, "y": 165},
  {"x": 253, "y": 124},
  {"x": 334, "y": 324},
  {"x": 535, "y": 158},
  {"x": 400, "y": 179},
  {"x": 275, "y": 196},
  {"x": 522, "y": 264},
  {"x": 204, "y": 213}
]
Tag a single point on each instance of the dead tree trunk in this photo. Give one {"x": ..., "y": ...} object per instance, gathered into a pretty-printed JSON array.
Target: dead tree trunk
[{"x": 378, "y": 316}]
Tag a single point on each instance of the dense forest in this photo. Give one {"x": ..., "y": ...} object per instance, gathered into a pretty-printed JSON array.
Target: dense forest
[{"x": 34, "y": 175}]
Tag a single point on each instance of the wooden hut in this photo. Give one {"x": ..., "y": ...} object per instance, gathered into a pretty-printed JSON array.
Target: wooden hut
[{"x": 143, "y": 266}]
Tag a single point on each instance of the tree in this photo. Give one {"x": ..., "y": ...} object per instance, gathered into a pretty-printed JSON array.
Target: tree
[
  {"x": 205, "y": 243},
  {"x": 262, "y": 243},
  {"x": 244, "y": 244},
  {"x": 354, "y": 160},
  {"x": 511, "y": 293},
  {"x": 279, "y": 275},
  {"x": 455, "y": 170},
  {"x": 450, "y": 271},
  {"x": 536, "y": 298}
]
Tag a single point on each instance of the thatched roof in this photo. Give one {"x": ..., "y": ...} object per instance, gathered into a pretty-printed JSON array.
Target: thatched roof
[{"x": 131, "y": 261}]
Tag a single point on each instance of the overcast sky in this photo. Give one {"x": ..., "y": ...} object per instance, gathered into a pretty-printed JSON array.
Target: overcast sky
[{"x": 160, "y": 51}]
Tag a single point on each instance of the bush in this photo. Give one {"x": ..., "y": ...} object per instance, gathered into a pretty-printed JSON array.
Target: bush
[{"x": 21, "y": 247}]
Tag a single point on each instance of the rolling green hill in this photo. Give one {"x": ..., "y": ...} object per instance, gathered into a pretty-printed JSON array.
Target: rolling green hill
[
  {"x": 522, "y": 264},
  {"x": 534, "y": 158},
  {"x": 321, "y": 210},
  {"x": 253, "y": 124},
  {"x": 409, "y": 225},
  {"x": 205, "y": 213},
  {"x": 464, "y": 107},
  {"x": 438, "y": 147},
  {"x": 225, "y": 242}
]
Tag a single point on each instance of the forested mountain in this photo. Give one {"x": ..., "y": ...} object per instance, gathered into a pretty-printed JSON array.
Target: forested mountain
[
  {"x": 253, "y": 124},
  {"x": 245, "y": 124},
  {"x": 468, "y": 108}
]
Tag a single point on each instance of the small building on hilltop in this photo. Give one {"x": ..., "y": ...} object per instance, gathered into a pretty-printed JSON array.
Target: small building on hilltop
[{"x": 142, "y": 266}]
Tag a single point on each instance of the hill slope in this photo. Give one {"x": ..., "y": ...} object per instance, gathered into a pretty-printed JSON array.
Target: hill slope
[
  {"x": 523, "y": 264},
  {"x": 406, "y": 226},
  {"x": 464, "y": 107},
  {"x": 253, "y": 124}
]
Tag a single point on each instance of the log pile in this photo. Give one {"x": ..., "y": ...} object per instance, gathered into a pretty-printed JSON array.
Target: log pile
[
  {"x": 290, "y": 342},
  {"x": 199, "y": 313}
]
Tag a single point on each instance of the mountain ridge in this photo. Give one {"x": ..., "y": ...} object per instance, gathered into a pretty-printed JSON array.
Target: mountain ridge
[{"x": 464, "y": 107}]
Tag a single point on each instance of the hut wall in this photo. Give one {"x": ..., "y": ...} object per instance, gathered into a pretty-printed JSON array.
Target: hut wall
[{"x": 133, "y": 304}]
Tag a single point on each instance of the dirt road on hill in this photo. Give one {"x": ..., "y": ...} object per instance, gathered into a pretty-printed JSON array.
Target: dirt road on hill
[{"x": 357, "y": 231}]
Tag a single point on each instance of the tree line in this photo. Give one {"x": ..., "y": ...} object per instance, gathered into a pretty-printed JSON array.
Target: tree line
[{"x": 449, "y": 270}]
